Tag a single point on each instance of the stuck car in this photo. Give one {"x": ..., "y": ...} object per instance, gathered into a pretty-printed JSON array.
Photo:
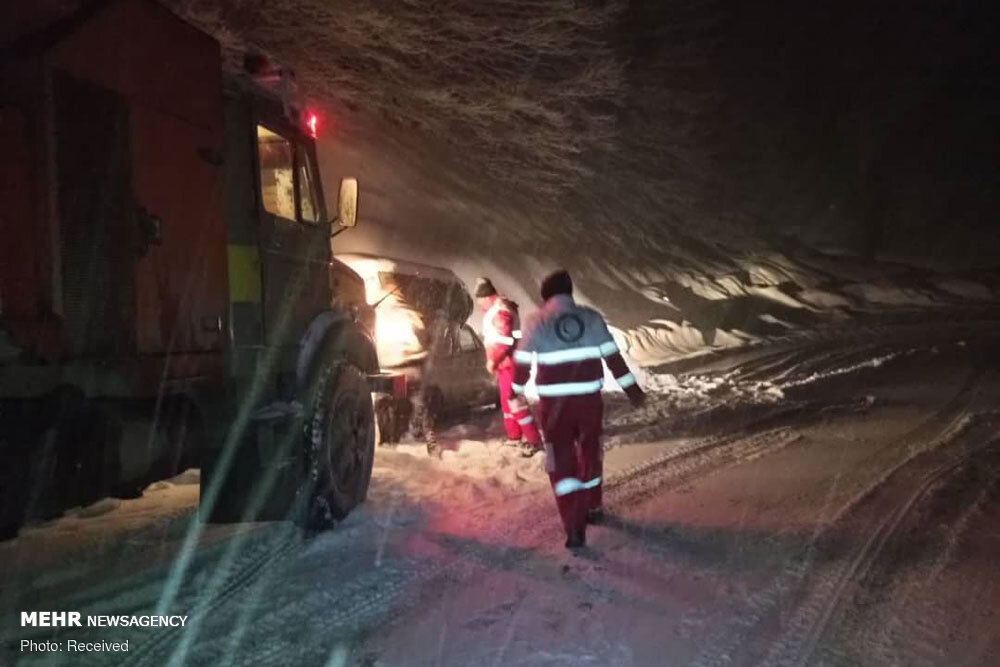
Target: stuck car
[{"x": 420, "y": 331}]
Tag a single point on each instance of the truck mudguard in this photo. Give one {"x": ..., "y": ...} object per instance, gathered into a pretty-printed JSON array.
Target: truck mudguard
[{"x": 334, "y": 327}]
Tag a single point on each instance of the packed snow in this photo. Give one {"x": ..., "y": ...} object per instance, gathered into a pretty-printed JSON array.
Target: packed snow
[{"x": 728, "y": 539}]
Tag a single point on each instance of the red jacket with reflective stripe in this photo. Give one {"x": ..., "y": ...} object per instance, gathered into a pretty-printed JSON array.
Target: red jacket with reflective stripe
[
  {"x": 500, "y": 332},
  {"x": 570, "y": 344}
]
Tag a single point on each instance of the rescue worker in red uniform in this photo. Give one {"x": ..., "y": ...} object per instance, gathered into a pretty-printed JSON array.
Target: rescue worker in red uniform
[
  {"x": 501, "y": 329},
  {"x": 571, "y": 344}
]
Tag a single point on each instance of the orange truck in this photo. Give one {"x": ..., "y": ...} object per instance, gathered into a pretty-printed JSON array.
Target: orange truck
[{"x": 168, "y": 296}]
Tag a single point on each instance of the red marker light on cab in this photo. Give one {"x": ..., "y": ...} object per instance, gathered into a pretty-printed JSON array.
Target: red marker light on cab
[{"x": 312, "y": 122}]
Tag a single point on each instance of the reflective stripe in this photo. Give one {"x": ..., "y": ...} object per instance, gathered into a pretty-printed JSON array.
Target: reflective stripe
[
  {"x": 572, "y": 484},
  {"x": 497, "y": 306},
  {"x": 518, "y": 388},
  {"x": 572, "y": 354},
  {"x": 626, "y": 380},
  {"x": 490, "y": 333},
  {"x": 522, "y": 356},
  {"x": 525, "y": 421},
  {"x": 516, "y": 333},
  {"x": 609, "y": 348},
  {"x": 570, "y": 388}
]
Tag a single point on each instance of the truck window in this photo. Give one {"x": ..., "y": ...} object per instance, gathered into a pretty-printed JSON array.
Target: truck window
[
  {"x": 307, "y": 194},
  {"x": 277, "y": 186}
]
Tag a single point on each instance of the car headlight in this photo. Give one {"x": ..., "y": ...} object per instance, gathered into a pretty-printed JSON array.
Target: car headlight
[{"x": 395, "y": 335}]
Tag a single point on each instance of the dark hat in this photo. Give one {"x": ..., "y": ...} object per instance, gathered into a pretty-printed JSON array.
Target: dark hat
[
  {"x": 484, "y": 288},
  {"x": 557, "y": 282}
]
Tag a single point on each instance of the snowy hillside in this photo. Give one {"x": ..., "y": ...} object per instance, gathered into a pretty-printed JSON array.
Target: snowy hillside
[{"x": 617, "y": 139}]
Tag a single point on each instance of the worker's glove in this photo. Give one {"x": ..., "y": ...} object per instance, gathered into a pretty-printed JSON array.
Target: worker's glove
[{"x": 490, "y": 366}]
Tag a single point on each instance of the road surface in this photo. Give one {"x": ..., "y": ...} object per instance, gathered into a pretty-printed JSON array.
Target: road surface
[{"x": 832, "y": 502}]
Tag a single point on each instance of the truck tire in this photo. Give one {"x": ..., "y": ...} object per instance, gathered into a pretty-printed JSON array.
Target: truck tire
[{"x": 340, "y": 445}]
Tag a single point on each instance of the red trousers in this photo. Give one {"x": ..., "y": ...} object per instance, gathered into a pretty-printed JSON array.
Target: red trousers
[
  {"x": 517, "y": 419},
  {"x": 573, "y": 455}
]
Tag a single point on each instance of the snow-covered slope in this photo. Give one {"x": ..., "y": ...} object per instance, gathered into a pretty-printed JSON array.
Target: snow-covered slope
[{"x": 513, "y": 139}]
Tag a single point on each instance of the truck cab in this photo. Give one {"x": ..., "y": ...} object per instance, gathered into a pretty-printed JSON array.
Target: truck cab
[{"x": 165, "y": 295}]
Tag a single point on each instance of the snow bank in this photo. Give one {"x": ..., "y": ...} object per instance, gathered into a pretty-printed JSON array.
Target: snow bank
[
  {"x": 774, "y": 299},
  {"x": 469, "y": 472},
  {"x": 139, "y": 530},
  {"x": 965, "y": 289},
  {"x": 699, "y": 391},
  {"x": 705, "y": 297}
]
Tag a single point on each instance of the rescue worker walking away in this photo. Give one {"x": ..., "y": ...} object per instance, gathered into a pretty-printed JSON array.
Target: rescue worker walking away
[
  {"x": 501, "y": 329},
  {"x": 570, "y": 344}
]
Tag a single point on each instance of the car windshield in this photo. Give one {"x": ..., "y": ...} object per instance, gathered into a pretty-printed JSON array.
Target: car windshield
[{"x": 429, "y": 296}]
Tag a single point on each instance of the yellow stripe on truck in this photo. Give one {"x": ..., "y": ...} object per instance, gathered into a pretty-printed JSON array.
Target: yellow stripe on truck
[{"x": 244, "y": 273}]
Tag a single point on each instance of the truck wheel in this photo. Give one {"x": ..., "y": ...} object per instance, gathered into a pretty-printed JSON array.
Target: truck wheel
[
  {"x": 73, "y": 457},
  {"x": 340, "y": 445},
  {"x": 181, "y": 430}
]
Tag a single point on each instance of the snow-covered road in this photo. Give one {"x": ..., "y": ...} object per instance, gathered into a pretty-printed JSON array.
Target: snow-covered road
[{"x": 821, "y": 503}]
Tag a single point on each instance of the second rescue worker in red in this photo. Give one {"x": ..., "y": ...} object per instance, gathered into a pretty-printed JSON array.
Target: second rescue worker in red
[
  {"x": 571, "y": 344},
  {"x": 501, "y": 329}
]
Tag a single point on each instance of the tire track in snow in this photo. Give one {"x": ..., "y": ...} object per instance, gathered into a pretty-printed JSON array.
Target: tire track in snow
[
  {"x": 695, "y": 460},
  {"x": 671, "y": 469},
  {"x": 747, "y": 417},
  {"x": 345, "y": 609},
  {"x": 939, "y": 429},
  {"x": 230, "y": 583},
  {"x": 373, "y": 599},
  {"x": 817, "y": 614},
  {"x": 679, "y": 466},
  {"x": 963, "y": 492}
]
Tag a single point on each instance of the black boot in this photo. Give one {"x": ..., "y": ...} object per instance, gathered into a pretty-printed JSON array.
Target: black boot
[
  {"x": 528, "y": 450},
  {"x": 434, "y": 450},
  {"x": 576, "y": 539},
  {"x": 595, "y": 516}
]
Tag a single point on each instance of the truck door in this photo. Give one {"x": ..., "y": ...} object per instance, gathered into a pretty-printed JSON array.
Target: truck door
[{"x": 294, "y": 240}]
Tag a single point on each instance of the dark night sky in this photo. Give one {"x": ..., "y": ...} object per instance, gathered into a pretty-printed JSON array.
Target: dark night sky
[
  {"x": 870, "y": 126},
  {"x": 886, "y": 111},
  {"x": 866, "y": 126}
]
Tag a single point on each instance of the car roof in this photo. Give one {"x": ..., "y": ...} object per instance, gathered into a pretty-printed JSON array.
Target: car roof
[{"x": 365, "y": 264}]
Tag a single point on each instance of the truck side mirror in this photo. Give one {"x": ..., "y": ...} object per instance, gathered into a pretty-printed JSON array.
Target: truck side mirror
[{"x": 347, "y": 202}]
